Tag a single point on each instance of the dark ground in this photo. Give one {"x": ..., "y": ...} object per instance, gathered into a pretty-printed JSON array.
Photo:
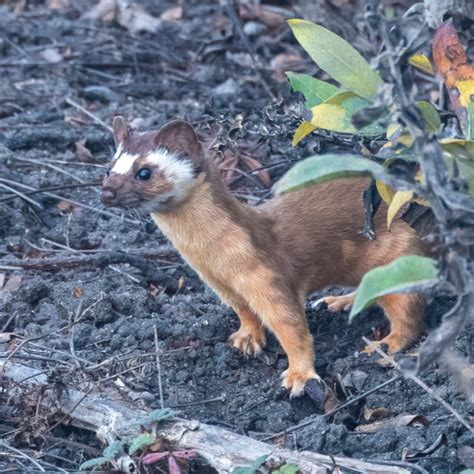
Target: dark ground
[{"x": 194, "y": 68}]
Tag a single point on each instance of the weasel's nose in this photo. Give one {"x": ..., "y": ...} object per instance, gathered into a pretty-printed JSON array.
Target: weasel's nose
[{"x": 108, "y": 196}]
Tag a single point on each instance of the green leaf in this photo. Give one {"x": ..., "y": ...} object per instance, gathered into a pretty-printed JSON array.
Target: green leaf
[
  {"x": 113, "y": 449},
  {"x": 315, "y": 91},
  {"x": 421, "y": 62},
  {"x": 145, "y": 439},
  {"x": 430, "y": 116},
  {"x": 157, "y": 415},
  {"x": 470, "y": 120},
  {"x": 93, "y": 463},
  {"x": 336, "y": 114},
  {"x": 458, "y": 148},
  {"x": 260, "y": 461},
  {"x": 462, "y": 167},
  {"x": 396, "y": 277},
  {"x": 322, "y": 168},
  {"x": 337, "y": 57},
  {"x": 243, "y": 470},
  {"x": 287, "y": 469}
]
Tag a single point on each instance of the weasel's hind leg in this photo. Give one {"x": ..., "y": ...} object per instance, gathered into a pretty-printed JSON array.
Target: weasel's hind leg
[
  {"x": 406, "y": 313},
  {"x": 336, "y": 304}
]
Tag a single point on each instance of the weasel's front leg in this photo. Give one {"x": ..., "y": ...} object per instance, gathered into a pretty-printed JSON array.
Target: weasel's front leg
[
  {"x": 250, "y": 338},
  {"x": 286, "y": 318}
]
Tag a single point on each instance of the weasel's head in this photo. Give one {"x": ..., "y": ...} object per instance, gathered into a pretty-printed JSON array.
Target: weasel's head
[{"x": 153, "y": 171}]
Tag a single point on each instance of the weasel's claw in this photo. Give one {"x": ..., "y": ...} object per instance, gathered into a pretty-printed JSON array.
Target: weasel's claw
[
  {"x": 295, "y": 381},
  {"x": 249, "y": 343}
]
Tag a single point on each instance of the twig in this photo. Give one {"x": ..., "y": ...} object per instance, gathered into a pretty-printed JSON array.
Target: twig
[
  {"x": 200, "y": 402},
  {"x": 54, "y": 188},
  {"x": 158, "y": 366},
  {"x": 21, "y": 195},
  {"x": 71, "y": 201},
  {"x": 399, "y": 463},
  {"x": 23, "y": 455},
  {"x": 419, "y": 382},
  {"x": 51, "y": 166},
  {"x": 230, "y": 9},
  {"x": 335, "y": 410},
  {"x": 115, "y": 269},
  {"x": 89, "y": 114},
  {"x": 78, "y": 402}
]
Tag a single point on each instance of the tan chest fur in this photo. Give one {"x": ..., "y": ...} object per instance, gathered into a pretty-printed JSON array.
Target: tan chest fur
[{"x": 209, "y": 240}]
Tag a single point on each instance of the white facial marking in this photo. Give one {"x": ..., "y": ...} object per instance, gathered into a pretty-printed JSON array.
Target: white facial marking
[
  {"x": 179, "y": 171},
  {"x": 118, "y": 152},
  {"x": 124, "y": 161}
]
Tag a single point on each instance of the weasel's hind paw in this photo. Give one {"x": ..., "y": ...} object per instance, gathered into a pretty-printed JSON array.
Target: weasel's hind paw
[
  {"x": 248, "y": 342},
  {"x": 294, "y": 381},
  {"x": 393, "y": 342},
  {"x": 335, "y": 304}
]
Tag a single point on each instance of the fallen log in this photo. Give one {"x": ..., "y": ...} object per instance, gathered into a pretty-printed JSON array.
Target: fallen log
[{"x": 111, "y": 418}]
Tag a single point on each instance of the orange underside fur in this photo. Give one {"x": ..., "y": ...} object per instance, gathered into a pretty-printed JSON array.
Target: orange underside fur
[{"x": 263, "y": 261}]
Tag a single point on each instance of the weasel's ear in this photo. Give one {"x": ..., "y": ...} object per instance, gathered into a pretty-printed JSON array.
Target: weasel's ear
[
  {"x": 121, "y": 129},
  {"x": 180, "y": 136}
]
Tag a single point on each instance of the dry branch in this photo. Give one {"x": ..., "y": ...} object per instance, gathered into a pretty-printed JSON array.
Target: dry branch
[{"x": 110, "y": 418}]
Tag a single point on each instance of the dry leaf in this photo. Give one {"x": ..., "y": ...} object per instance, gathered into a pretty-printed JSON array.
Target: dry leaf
[
  {"x": 57, "y": 4},
  {"x": 77, "y": 292},
  {"x": 284, "y": 62},
  {"x": 51, "y": 55},
  {"x": 269, "y": 16},
  {"x": 82, "y": 152},
  {"x": 441, "y": 439},
  {"x": 254, "y": 164},
  {"x": 153, "y": 290},
  {"x": 374, "y": 414},
  {"x": 400, "y": 420},
  {"x": 421, "y": 62},
  {"x": 227, "y": 163},
  {"x": 105, "y": 10},
  {"x": 133, "y": 17},
  {"x": 302, "y": 131},
  {"x": 11, "y": 285},
  {"x": 65, "y": 206},
  {"x": 458, "y": 75},
  {"x": 355, "y": 379},
  {"x": 128, "y": 14},
  {"x": 398, "y": 206},
  {"x": 330, "y": 401},
  {"x": 172, "y": 14},
  {"x": 6, "y": 336}
]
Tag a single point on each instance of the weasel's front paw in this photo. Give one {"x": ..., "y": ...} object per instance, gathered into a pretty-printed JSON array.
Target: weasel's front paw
[
  {"x": 249, "y": 341},
  {"x": 295, "y": 380}
]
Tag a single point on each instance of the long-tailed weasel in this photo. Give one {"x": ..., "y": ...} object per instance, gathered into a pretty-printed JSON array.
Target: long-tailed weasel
[{"x": 262, "y": 261}]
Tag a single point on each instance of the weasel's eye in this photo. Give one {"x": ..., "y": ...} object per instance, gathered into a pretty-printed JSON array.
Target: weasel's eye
[{"x": 143, "y": 174}]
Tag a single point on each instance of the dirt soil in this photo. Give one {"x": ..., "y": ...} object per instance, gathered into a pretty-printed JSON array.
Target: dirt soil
[{"x": 197, "y": 68}]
